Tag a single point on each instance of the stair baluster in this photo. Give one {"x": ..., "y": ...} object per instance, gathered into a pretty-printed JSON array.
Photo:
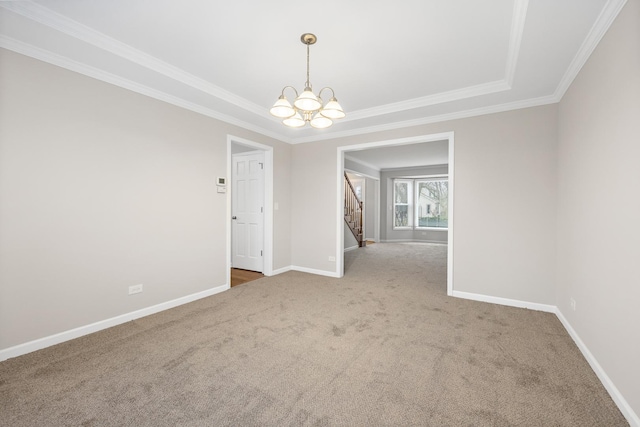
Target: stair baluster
[{"x": 353, "y": 211}]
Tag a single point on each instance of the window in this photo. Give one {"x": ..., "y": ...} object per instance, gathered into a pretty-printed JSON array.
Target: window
[
  {"x": 402, "y": 203},
  {"x": 429, "y": 203}
]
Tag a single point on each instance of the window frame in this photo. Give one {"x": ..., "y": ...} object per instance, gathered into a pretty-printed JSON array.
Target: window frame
[
  {"x": 413, "y": 184},
  {"x": 409, "y": 204}
]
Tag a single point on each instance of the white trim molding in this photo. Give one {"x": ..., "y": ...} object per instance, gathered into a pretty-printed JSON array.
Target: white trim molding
[
  {"x": 98, "y": 74},
  {"x": 268, "y": 202},
  {"x": 491, "y": 109},
  {"x": 363, "y": 163},
  {"x": 618, "y": 398},
  {"x": 341, "y": 153},
  {"x": 61, "y": 337},
  {"x": 505, "y": 301},
  {"x": 101, "y": 41},
  {"x": 430, "y": 242},
  {"x": 314, "y": 271},
  {"x": 280, "y": 270},
  {"x": 621, "y": 402},
  {"x": 599, "y": 29}
]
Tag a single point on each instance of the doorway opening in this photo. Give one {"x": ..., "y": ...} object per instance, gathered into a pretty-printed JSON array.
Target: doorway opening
[
  {"x": 367, "y": 190},
  {"x": 447, "y": 137},
  {"x": 250, "y": 201}
]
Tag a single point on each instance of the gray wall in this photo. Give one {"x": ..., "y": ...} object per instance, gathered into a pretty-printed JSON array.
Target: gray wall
[
  {"x": 598, "y": 213},
  {"x": 371, "y": 207},
  {"x": 388, "y": 234},
  {"x": 102, "y": 188},
  {"x": 507, "y": 158}
]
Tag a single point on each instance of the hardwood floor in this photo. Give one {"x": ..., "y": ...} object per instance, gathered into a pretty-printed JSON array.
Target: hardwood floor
[{"x": 238, "y": 276}]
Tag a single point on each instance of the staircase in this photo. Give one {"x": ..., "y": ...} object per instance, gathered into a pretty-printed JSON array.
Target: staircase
[{"x": 353, "y": 211}]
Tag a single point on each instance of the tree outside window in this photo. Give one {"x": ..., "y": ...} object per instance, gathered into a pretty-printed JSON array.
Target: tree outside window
[
  {"x": 428, "y": 204},
  {"x": 432, "y": 203},
  {"x": 403, "y": 201}
]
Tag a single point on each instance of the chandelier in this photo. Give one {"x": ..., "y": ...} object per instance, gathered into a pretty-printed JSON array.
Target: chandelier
[{"x": 307, "y": 107}]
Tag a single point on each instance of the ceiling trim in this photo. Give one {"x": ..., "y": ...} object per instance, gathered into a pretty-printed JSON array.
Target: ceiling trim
[
  {"x": 79, "y": 31},
  {"x": 534, "y": 102},
  {"x": 49, "y": 18},
  {"x": 69, "y": 64},
  {"x": 608, "y": 14},
  {"x": 438, "y": 98},
  {"x": 362, "y": 162},
  {"x": 515, "y": 40}
]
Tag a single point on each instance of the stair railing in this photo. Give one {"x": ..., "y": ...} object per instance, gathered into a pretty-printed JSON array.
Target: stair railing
[{"x": 353, "y": 211}]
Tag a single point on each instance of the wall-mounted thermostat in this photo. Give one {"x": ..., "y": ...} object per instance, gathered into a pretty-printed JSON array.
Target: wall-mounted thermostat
[{"x": 222, "y": 181}]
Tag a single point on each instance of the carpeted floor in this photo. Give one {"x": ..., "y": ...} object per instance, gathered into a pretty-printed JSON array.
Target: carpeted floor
[{"x": 382, "y": 346}]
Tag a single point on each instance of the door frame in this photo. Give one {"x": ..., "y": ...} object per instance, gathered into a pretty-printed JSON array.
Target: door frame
[
  {"x": 268, "y": 202},
  {"x": 448, "y": 136}
]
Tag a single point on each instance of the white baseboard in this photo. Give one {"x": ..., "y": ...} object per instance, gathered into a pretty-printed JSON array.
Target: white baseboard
[
  {"x": 41, "y": 343},
  {"x": 352, "y": 248},
  {"x": 413, "y": 241},
  {"x": 623, "y": 405},
  {"x": 304, "y": 270},
  {"x": 621, "y": 402},
  {"x": 280, "y": 270},
  {"x": 505, "y": 301},
  {"x": 314, "y": 271}
]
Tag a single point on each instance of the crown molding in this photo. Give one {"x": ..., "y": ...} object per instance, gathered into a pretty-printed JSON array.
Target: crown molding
[
  {"x": 362, "y": 162},
  {"x": 88, "y": 35},
  {"x": 515, "y": 42},
  {"x": 69, "y": 64},
  {"x": 49, "y": 18},
  {"x": 515, "y": 39},
  {"x": 425, "y": 101},
  {"x": 607, "y": 15},
  {"x": 64, "y": 62},
  {"x": 517, "y": 105}
]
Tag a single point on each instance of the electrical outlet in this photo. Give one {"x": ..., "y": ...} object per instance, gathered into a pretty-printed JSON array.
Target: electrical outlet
[
  {"x": 135, "y": 289},
  {"x": 572, "y": 302},
  {"x": 332, "y": 258}
]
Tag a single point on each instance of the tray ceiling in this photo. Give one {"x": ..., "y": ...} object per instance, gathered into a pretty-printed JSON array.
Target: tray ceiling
[{"x": 391, "y": 64}]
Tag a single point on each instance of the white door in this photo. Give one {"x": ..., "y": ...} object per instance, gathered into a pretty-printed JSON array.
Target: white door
[{"x": 247, "y": 211}]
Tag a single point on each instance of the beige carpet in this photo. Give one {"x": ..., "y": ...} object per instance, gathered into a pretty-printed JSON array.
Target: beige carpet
[{"x": 383, "y": 346}]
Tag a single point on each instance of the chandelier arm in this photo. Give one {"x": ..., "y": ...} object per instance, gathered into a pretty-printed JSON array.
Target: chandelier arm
[
  {"x": 333, "y": 95},
  {"x": 291, "y": 87},
  {"x": 307, "y": 107}
]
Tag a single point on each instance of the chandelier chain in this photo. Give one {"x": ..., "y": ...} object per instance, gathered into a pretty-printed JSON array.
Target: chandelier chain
[{"x": 308, "y": 83}]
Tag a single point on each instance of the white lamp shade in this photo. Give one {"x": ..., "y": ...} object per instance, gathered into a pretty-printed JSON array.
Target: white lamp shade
[
  {"x": 282, "y": 108},
  {"x": 307, "y": 101},
  {"x": 320, "y": 122},
  {"x": 333, "y": 110},
  {"x": 295, "y": 121}
]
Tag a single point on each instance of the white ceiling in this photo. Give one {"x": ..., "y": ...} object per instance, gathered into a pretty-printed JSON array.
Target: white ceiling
[
  {"x": 402, "y": 156},
  {"x": 391, "y": 64}
]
